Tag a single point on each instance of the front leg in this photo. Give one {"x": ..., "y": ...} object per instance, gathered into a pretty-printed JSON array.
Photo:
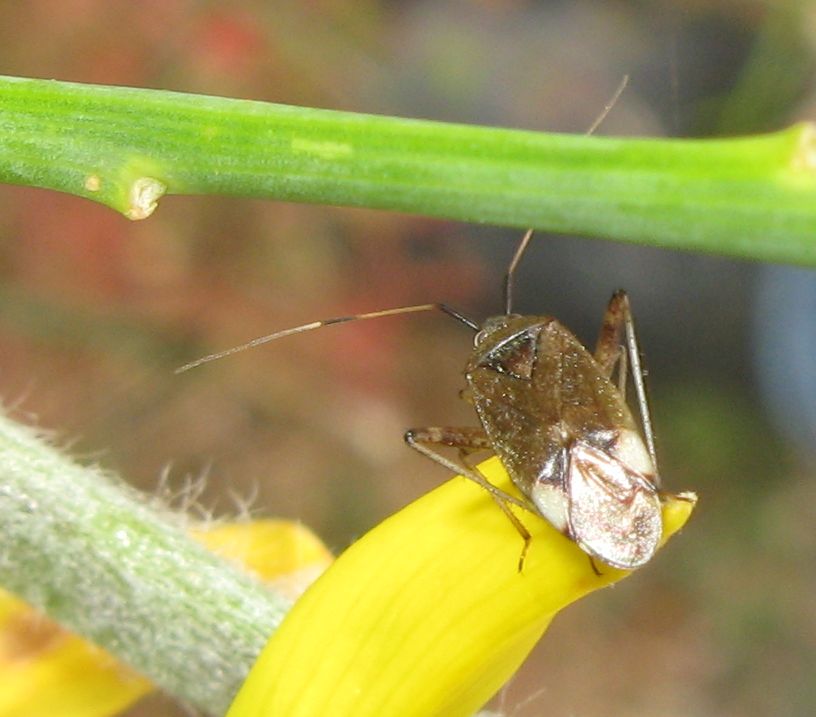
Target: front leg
[{"x": 468, "y": 440}]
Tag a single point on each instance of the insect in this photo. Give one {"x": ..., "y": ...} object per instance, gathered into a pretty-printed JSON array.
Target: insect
[{"x": 551, "y": 412}]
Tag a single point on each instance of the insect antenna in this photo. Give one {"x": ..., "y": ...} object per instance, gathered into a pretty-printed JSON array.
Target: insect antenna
[
  {"x": 508, "y": 277},
  {"x": 444, "y": 308},
  {"x": 609, "y": 105},
  {"x": 511, "y": 270}
]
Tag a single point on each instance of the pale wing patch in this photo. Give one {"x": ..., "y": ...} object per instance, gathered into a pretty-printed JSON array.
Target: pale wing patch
[
  {"x": 630, "y": 450},
  {"x": 551, "y": 503},
  {"x": 614, "y": 511}
]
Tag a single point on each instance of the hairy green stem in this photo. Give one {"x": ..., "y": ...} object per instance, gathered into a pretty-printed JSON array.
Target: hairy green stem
[
  {"x": 95, "y": 556},
  {"x": 751, "y": 197}
]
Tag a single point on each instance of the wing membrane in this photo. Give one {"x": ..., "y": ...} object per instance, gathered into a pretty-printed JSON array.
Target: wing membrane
[{"x": 614, "y": 511}]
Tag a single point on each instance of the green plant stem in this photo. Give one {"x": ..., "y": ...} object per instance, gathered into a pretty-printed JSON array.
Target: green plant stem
[
  {"x": 751, "y": 197},
  {"x": 95, "y": 556}
]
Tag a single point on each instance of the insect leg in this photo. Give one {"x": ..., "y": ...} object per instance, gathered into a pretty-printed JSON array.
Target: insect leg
[
  {"x": 623, "y": 368},
  {"x": 608, "y": 348},
  {"x": 521, "y": 529},
  {"x": 468, "y": 440},
  {"x": 594, "y": 567},
  {"x": 465, "y": 439},
  {"x": 617, "y": 320}
]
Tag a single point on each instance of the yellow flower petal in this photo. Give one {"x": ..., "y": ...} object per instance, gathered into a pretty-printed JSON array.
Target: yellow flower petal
[
  {"x": 46, "y": 671},
  {"x": 286, "y": 555},
  {"x": 269, "y": 548},
  {"x": 427, "y": 615}
]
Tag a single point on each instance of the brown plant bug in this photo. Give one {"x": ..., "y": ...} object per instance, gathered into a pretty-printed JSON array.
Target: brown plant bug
[
  {"x": 551, "y": 413},
  {"x": 561, "y": 427}
]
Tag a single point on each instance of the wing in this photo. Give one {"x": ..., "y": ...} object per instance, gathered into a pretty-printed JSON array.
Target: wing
[
  {"x": 614, "y": 511},
  {"x": 568, "y": 375},
  {"x": 537, "y": 390}
]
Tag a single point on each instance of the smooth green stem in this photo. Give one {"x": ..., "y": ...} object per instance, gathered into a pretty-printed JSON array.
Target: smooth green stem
[
  {"x": 97, "y": 557},
  {"x": 751, "y": 197}
]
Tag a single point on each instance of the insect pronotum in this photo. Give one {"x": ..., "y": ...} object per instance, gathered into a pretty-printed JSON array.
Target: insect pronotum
[{"x": 550, "y": 410}]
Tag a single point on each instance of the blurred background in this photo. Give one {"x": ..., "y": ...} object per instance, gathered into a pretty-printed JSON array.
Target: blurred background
[{"x": 96, "y": 311}]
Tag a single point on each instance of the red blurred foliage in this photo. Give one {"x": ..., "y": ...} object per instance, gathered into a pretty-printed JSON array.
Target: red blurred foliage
[
  {"x": 229, "y": 42},
  {"x": 70, "y": 249}
]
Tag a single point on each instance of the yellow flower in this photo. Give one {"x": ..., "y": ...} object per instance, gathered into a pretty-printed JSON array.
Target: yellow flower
[
  {"x": 46, "y": 671},
  {"x": 427, "y": 615}
]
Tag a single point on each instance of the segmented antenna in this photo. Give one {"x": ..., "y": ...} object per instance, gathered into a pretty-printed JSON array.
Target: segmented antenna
[
  {"x": 609, "y": 105},
  {"x": 508, "y": 277},
  {"x": 508, "y": 287},
  {"x": 520, "y": 249},
  {"x": 444, "y": 308}
]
